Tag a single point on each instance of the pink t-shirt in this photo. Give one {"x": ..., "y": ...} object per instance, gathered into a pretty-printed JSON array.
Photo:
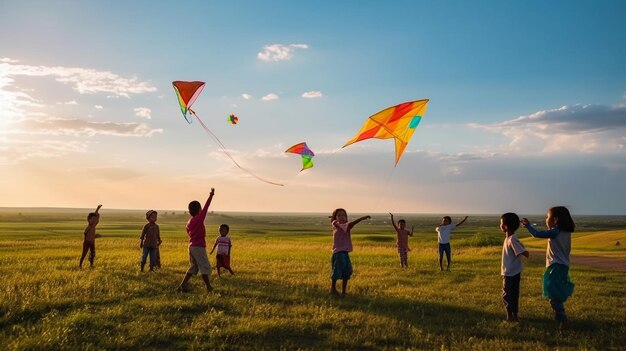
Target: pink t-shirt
[
  {"x": 195, "y": 227},
  {"x": 341, "y": 237}
]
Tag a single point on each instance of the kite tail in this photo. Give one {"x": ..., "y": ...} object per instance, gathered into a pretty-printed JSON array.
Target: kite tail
[{"x": 225, "y": 151}]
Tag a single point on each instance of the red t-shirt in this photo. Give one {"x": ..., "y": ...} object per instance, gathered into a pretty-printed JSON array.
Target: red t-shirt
[{"x": 195, "y": 227}]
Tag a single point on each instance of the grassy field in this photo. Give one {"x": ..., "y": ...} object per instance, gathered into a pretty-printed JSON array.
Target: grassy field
[{"x": 279, "y": 297}]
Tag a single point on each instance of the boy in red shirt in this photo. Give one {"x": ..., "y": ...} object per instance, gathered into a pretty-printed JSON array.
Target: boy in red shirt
[{"x": 198, "y": 259}]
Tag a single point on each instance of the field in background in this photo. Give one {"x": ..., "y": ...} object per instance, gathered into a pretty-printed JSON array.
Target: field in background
[{"x": 279, "y": 297}]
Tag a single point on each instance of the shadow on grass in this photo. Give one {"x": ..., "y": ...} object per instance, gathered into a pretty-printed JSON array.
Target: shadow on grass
[{"x": 438, "y": 319}]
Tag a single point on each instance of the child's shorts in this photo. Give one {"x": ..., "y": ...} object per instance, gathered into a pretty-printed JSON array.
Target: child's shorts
[
  {"x": 198, "y": 261},
  {"x": 341, "y": 265},
  {"x": 223, "y": 261}
]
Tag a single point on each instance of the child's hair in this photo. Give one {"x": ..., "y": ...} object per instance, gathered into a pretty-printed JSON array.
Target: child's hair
[
  {"x": 91, "y": 215},
  {"x": 511, "y": 220},
  {"x": 402, "y": 221},
  {"x": 565, "y": 221},
  {"x": 335, "y": 212},
  {"x": 225, "y": 226},
  {"x": 150, "y": 212},
  {"x": 447, "y": 218},
  {"x": 194, "y": 208}
]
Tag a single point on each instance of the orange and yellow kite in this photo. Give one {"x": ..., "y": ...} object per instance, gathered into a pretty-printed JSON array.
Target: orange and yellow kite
[{"x": 397, "y": 122}]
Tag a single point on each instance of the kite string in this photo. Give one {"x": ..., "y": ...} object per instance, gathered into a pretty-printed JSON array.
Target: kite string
[
  {"x": 225, "y": 151},
  {"x": 384, "y": 190}
]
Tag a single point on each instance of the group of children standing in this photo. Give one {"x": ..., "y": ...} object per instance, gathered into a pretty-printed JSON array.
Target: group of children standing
[
  {"x": 150, "y": 240},
  {"x": 557, "y": 286}
]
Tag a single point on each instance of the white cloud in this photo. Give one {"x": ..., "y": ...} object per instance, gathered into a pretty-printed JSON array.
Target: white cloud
[
  {"x": 17, "y": 150},
  {"x": 143, "y": 112},
  {"x": 279, "y": 52},
  {"x": 98, "y": 107},
  {"x": 270, "y": 97},
  {"x": 577, "y": 128},
  {"x": 79, "y": 128},
  {"x": 312, "y": 94},
  {"x": 246, "y": 96},
  {"x": 71, "y": 102},
  {"x": 82, "y": 80}
]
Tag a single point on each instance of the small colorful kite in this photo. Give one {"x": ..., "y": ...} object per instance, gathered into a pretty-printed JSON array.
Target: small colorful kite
[
  {"x": 187, "y": 93},
  {"x": 232, "y": 119},
  {"x": 307, "y": 155},
  {"x": 397, "y": 122}
]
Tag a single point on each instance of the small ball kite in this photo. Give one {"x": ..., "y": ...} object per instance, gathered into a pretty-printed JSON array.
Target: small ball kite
[{"x": 232, "y": 119}]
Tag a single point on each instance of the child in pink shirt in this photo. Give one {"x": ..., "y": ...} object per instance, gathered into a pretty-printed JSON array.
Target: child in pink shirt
[
  {"x": 403, "y": 240},
  {"x": 198, "y": 259},
  {"x": 342, "y": 245}
]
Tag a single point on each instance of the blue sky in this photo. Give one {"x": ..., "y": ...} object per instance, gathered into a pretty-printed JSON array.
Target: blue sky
[{"x": 527, "y": 104}]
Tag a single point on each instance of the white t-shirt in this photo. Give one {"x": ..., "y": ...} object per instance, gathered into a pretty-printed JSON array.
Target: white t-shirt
[
  {"x": 444, "y": 232},
  {"x": 512, "y": 249},
  {"x": 223, "y": 244}
]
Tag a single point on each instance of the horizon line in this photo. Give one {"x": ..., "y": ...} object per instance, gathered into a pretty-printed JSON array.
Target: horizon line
[{"x": 34, "y": 208}]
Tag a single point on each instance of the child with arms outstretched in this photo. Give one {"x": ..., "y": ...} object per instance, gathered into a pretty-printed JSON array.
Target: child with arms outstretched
[
  {"x": 342, "y": 245},
  {"x": 444, "y": 231},
  {"x": 557, "y": 286},
  {"x": 402, "y": 240}
]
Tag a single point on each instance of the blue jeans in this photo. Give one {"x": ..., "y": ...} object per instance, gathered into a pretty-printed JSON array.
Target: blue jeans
[
  {"x": 144, "y": 256},
  {"x": 444, "y": 248}
]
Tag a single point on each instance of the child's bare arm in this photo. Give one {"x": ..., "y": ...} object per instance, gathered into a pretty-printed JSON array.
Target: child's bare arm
[
  {"x": 393, "y": 222},
  {"x": 356, "y": 221},
  {"x": 142, "y": 237},
  {"x": 411, "y": 232},
  {"x": 208, "y": 201},
  {"x": 214, "y": 245},
  {"x": 525, "y": 253},
  {"x": 97, "y": 209},
  {"x": 462, "y": 221}
]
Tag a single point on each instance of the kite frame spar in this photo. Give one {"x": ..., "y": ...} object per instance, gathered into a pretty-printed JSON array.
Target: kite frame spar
[
  {"x": 398, "y": 122},
  {"x": 186, "y": 99}
]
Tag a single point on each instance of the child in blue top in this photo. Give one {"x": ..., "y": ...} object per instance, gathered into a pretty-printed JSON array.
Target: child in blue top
[{"x": 557, "y": 286}]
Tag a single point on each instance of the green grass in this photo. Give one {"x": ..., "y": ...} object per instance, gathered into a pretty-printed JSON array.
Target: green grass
[{"x": 279, "y": 297}]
